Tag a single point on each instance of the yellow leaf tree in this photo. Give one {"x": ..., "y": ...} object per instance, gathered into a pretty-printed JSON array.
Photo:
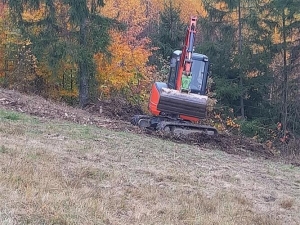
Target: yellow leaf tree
[{"x": 129, "y": 51}]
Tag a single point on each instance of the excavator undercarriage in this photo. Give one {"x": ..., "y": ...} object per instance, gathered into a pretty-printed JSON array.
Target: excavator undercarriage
[{"x": 171, "y": 125}]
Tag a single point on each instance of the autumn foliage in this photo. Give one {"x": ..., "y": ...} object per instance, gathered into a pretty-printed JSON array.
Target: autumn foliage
[
  {"x": 126, "y": 67},
  {"x": 129, "y": 50}
]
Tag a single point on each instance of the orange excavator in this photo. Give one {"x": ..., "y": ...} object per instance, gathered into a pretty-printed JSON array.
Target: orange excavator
[{"x": 178, "y": 105}]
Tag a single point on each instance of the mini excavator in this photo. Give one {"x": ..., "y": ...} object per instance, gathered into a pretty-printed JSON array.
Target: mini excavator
[{"x": 178, "y": 105}]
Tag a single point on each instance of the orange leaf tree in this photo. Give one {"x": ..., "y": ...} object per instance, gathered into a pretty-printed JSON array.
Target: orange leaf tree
[{"x": 126, "y": 68}]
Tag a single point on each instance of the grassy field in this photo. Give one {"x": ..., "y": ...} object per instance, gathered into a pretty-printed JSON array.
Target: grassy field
[{"x": 56, "y": 172}]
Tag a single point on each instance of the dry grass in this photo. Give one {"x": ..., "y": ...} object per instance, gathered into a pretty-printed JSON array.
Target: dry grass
[
  {"x": 62, "y": 173},
  {"x": 287, "y": 203}
]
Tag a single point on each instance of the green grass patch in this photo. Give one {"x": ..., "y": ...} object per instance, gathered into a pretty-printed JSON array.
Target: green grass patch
[
  {"x": 3, "y": 149},
  {"x": 9, "y": 115},
  {"x": 6, "y": 115}
]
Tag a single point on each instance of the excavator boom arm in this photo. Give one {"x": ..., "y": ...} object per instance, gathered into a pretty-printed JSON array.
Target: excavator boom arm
[{"x": 187, "y": 51}]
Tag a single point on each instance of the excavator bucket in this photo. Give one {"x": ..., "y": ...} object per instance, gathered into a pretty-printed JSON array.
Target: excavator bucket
[{"x": 182, "y": 103}]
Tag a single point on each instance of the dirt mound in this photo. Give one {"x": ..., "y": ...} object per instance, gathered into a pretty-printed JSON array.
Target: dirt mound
[
  {"x": 230, "y": 144},
  {"x": 116, "y": 114},
  {"x": 116, "y": 108},
  {"x": 38, "y": 106}
]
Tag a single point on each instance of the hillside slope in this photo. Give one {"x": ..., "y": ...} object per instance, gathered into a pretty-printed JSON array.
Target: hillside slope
[
  {"x": 101, "y": 171},
  {"x": 116, "y": 115}
]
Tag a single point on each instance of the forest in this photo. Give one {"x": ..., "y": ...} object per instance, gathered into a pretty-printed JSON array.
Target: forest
[{"x": 82, "y": 51}]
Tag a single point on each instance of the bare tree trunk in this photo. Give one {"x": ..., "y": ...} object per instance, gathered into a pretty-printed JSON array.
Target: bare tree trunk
[
  {"x": 83, "y": 70},
  {"x": 240, "y": 54},
  {"x": 285, "y": 76}
]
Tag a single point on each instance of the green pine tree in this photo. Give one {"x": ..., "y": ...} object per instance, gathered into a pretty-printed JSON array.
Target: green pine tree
[
  {"x": 54, "y": 43},
  {"x": 238, "y": 69},
  {"x": 282, "y": 17},
  {"x": 170, "y": 31}
]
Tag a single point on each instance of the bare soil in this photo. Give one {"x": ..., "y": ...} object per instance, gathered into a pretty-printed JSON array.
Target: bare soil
[{"x": 116, "y": 115}]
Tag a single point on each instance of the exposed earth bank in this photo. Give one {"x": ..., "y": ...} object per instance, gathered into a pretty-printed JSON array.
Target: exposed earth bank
[{"x": 116, "y": 115}]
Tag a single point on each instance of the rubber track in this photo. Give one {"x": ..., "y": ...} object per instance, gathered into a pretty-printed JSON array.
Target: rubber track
[{"x": 197, "y": 127}]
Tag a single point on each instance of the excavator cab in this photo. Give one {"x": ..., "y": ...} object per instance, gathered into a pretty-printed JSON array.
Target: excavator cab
[
  {"x": 188, "y": 103},
  {"x": 197, "y": 81}
]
